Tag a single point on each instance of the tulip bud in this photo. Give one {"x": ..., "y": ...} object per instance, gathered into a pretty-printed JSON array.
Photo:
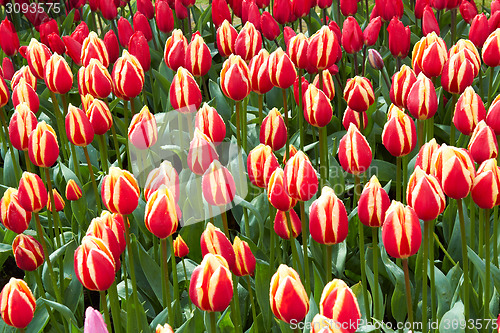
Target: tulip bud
[
  {"x": 348, "y": 7},
  {"x": 467, "y": 48},
  {"x": 81, "y": 32},
  {"x": 352, "y": 36},
  {"x": 328, "y": 218},
  {"x": 198, "y": 59},
  {"x": 13, "y": 215},
  {"x": 46, "y": 28},
  {"x": 339, "y": 304},
  {"x": 210, "y": 123},
  {"x": 100, "y": 229},
  {"x": 28, "y": 252},
  {"x": 180, "y": 10},
  {"x": 9, "y": 43},
  {"x": 388, "y": 9},
  {"x": 373, "y": 203},
  {"x": 56, "y": 43},
  {"x": 226, "y": 37},
  {"x": 323, "y": 48},
  {"x": 73, "y": 49},
  {"x": 22, "y": 123},
  {"x": 73, "y": 191},
  {"x": 94, "y": 322},
  {"x": 160, "y": 213},
  {"x": 297, "y": 50},
  {"x": 145, "y": 7},
  {"x": 429, "y": 55},
  {"x": 43, "y": 148},
  {"x": 469, "y": 111},
  {"x": 164, "y": 17},
  {"x": 399, "y": 38},
  {"x": 139, "y": 48},
  {"x": 301, "y": 181},
  {"x": 479, "y": 30},
  {"x": 94, "y": 264},
  {"x": 58, "y": 201},
  {"x": 245, "y": 260},
  {"x": 252, "y": 14},
  {"x": 24, "y": 93},
  {"x": 276, "y": 193},
  {"x": 211, "y": 287},
  {"x": 424, "y": 156},
  {"x": 492, "y": 118},
  {"x": 375, "y": 59},
  {"x": 458, "y": 73},
  {"x": 117, "y": 225},
  {"x": 127, "y": 76},
  {"x": 358, "y": 93},
  {"x": 429, "y": 22},
  {"x": 269, "y": 26},
  {"x": 143, "y": 131},
  {"x": 235, "y": 78},
  {"x": 166, "y": 175},
  {"x": 201, "y": 153},
  {"x": 454, "y": 168},
  {"x": 8, "y": 69},
  {"x": 273, "y": 131},
  {"x": 399, "y": 136},
  {"x": 422, "y": 102},
  {"x": 483, "y": 143},
  {"x": 23, "y": 72},
  {"x": 220, "y": 12},
  {"x": 214, "y": 241},
  {"x": 93, "y": 48},
  {"x": 185, "y": 95},
  {"x": 259, "y": 73},
  {"x": 141, "y": 24},
  {"x": 37, "y": 55},
  {"x": 261, "y": 163},
  {"x": 248, "y": 43},
  {"x": 32, "y": 196},
  {"x": 282, "y": 10},
  {"x": 288, "y": 298},
  {"x": 4, "y": 92},
  {"x": 328, "y": 84},
  {"x": 355, "y": 154},
  {"x": 218, "y": 185},
  {"x": 372, "y": 30},
  {"x": 425, "y": 195},
  {"x": 125, "y": 31},
  {"x": 119, "y": 191},
  {"x": 401, "y": 232},
  {"x": 99, "y": 115},
  {"x": 402, "y": 83},
  {"x": 78, "y": 127},
  {"x": 321, "y": 324},
  {"x": 486, "y": 188},
  {"x": 108, "y": 10},
  {"x": 180, "y": 247},
  {"x": 17, "y": 303},
  {"x": 354, "y": 117},
  {"x": 317, "y": 108},
  {"x": 112, "y": 46}
]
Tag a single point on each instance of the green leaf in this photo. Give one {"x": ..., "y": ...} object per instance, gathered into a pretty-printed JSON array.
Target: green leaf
[
  {"x": 4, "y": 248},
  {"x": 61, "y": 308},
  {"x": 262, "y": 283},
  {"x": 451, "y": 321},
  {"x": 313, "y": 311},
  {"x": 220, "y": 101}
]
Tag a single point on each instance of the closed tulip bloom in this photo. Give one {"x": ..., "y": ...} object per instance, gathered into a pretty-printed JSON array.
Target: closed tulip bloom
[
  {"x": 469, "y": 111},
  {"x": 300, "y": 178},
  {"x": 214, "y": 241},
  {"x": 402, "y": 82},
  {"x": 259, "y": 73},
  {"x": 273, "y": 131},
  {"x": 56, "y": 44},
  {"x": 99, "y": 116},
  {"x": 28, "y": 252},
  {"x": 322, "y": 48},
  {"x": 81, "y": 32},
  {"x": 317, "y": 108},
  {"x": 218, "y": 185},
  {"x": 13, "y": 214},
  {"x": 235, "y": 78},
  {"x": 46, "y": 28},
  {"x": 141, "y": 24},
  {"x": 399, "y": 136},
  {"x": 226, "y": 37},
  {"x": 252, "y": 13},
  {"x": 93, "y": 48},
  {"x": 401, "y": 232},
  {"x": 486, "y": 188},
  {"x": 166, "y": 175},
  {"x": 492, "y": 118},
  {"x": 422, "y": 102},
  {"x": 73, "y": 49},
  {"x": 424, "y": 156},
  {"x": 328, "y": 84},
  {"x": 138, "y": 47},
  {"x": 146, "y": 8},
  {"x": 73, "y": 191},
  {"x": 328, "y": 218},
  {"x": 425, "y": 195},
  {"x": 429, "y": 55},
  {"x": 297, "y": 50},
  {"x": 99, "y": 229},
  {"x": 483, "y": 143},
  {"x": 108, "y": 9},
  {"x": 248, "y": 43},
  {"x": 399, "y": 38},
  {"x": 355, "y": 154},
  {"x": 43, "y": 148},
  {"x": 125, "y": 31},
  {"x": 210, "y": 123},
  {"x": 58, "y": 201},
  {"x": 127, "y": 76},
  {"x": 119, "y": 191},
  {"x": 185, "y": 94},
  {"x": 276, "y": 193},
  {"x": 79, "y": 130},
  {"x": 17, "y": 303},
  {"x": 282, "y": 10},
  {"x": 24, "y": 93},
  {"x": 491, "y": 49},
  {"x": 338, "y": 303},
  {"x": 352, "y": 36},
  {"x": 180, "y": 10},
  {"x": 4, "y": 92},
  {"x": 201, "y": 153},
  {"x": 288, "y": 298},
  {"x": 261, "y": 163},
  {"x": 143, "y": 131},
  {"x": 198, "y": 59},
  {"x": 31, "y": 195},
  {"x": 389, "y": 9},
  {"x": 373, "y": 203},
  {"x": 372, "y": 30},
  {"x": 454, "y": 168},
  {"x": 9, "y": 43},
  {"x": 458, "y": 73},
  {"x": 164, "y": 16},
  {"x": 117, "y": 225},
  {"x": 348, "y": 7},
  {"x": 112, "y": 46},
  {"x": 94, "y": 264},
  {"x": 245, "y": 260},
  {"x": 22, "y": 123},
  {"x": 269, "y": 26},
  {"x": 220, "y": 12},
  {"x": 469, "y": 51},
  {"x": 165, "y": 328},
  {"x": 479, "y": 30},
  {"x": 429, "y": 22},
  {"x": 354, "y": 117},
  {"x": 23, "y": 72},
  {"x": 322, "y": 324},
  {"x": 305, "y": 85},
  {"x": 211, "y": 287},
  {"x": 358, "y": 93},
  {"x": 180, "y": 247},
  {"x": 37, "y": 55},
  {"x": 97, "y": 79},
  {"x": 160, "y": 216}
]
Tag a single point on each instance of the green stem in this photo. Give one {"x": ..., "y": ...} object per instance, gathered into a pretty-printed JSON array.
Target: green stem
[
  {"x": 243, "y": 120},
  {"x": 174, "y": 269},
  {"x": 441, "y": 246},
  {"x": 213, "y": 323},
  {"x": 481, "y": 236},
  {"x": 490, "y": 87},
  {"x": 27, "y": 161},
  {"x": 115, "y": 307},
  {"x": 252, "y": 302},
  {"x": 17, "y": 172},
  {"x": 285, "y": 111},
  {"x": 361, "y": 236},
  {"x": 432, "y": 278},
  {"x": 92, "y": 178},
  {"x": 103, "y": 151},
  {"x": 472, "y": 218},
  {"x": 453, "y": 25},
  {"x": 135, "y": 295},
  {"x": 117, "y": 147},
  {"x": 236, "y": 305},
  {"x": 305, "y": 234},
  {"x": 430, "y": 128},
  {"x": 424, "y": 276},
  {"x": 76, "y": 163},
  {"x": 225, "y": 225},
  {"x": 39, "y": 283},
  {"x": 420, "y": 136},
  {"x": 376, "y": 255},
  {"x": 261, "y": 106},
  {"x": 186, "y": 278},
  {"x": 404, "y": 161},
  {"x": 495, "y": 236},
  {"x": 104, "y": 305},
  {"x": 57, "y": 225},
  {"x": 464, "y": 259},
  {"x": 452, "y": 126},
  {"x": 408, "y": 291},
  {"x": 272, "y": 236},
  {"x": 301, "y": 114},
  {"x": 328, "y": 257},
  {"x": 323, "y": 151},
  {"x": 295, "y": 255},
  {"x": 60, "y": 125},
  {"x": 166, "y": 280},
  {"x": 487, "y": 297},
  {"x": 398, "y": 178}
]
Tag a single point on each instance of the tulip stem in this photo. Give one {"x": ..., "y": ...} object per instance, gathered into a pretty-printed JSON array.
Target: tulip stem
[
  {"x": 27, "y": 161},
  {"x": 174, "y": 269},
  {"x": 103, "y": 151},
  {"x": 398, "y": 179},
  {"x": 135, "y": 295},
  {"x": 5, "y": 129},
  {"x": 301, "y": 113},
  {"x": 453, "y": 25},
  {"x": 57, "y": 225},
  {"x": 4, "y": 140},
  {"x": 37, "y": 273},
  {"x": 464, "y": 259},
  {"x": 186, "y": 278},
  {"x": 432, "y": 278},
  {"x": 235, "y": 303},
  {"x": 252, "y": 302},
  {"x": 305, "y": 235},
  {"x": 424, "y": 276},
  {"x": 490, "y": 87},
  {"x": 487, "y": 298},
  {"x": 115, "y": 307},
  {"x": 225, "y": 225},
  {"x": 420, "y": 136},
  {"x": 376, "y": 309},
  {"x": 495, "y": 236},
  {"x": 481, "y": 235},
  {"x": 386, "y": 78},
  {"x": 323, "y": 154},
  {"x": 104, "y": 306},
  {"x": 295, "y": 255},
  {"x": 261, "y": 106},
  {"x": 404, "y": 161},
  {"x": 361, "y": 247},
  {"x": 117, "y": 147},
  {"x": 60, "y": 124},
  {"x": 213, "y": 323},
  {"x": 272, "y": 236},
  {"x": 408, "y": 291},
  {"x": 328, "y": 265},
  {"x": 92, "y": 178},
  {"x": 285, "y": 111},
  {"x": 238, "y": 133},
  {"x": 452, "y": 126},
  {"x": 166, "y": 279}
]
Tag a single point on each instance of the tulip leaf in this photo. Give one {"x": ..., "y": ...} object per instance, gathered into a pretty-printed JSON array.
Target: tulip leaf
[
  {"x": 193, "y": 324},
  {"x": 68, "y": 23},
  {"x": 221, "y": 103},
  {"x": 262, "y": 282},
  {"x": 203, "y": 19},
  {"x": 357, "y": 289},
  {"x": 147, "y": 276},
  {"x": 313, "y": 311},
  {"x": 481, "y": 268},
  {"x": 9, "y": 175},
  {"x": 40, "y": 319},
  {"x": 61, "y": 308},
  {"x": 453, "y": 319},
  {"x": 74, "y": 287},
  {"x": 4, "y": 248}
]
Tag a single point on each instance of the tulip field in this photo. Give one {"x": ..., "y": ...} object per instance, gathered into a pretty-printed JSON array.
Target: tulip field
[{"x": 316, "y": 166}]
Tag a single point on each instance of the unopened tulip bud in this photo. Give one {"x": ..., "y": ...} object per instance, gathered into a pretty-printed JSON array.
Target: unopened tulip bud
[
  {"x": 399, "y": 38},
  {"x": 317, "y": 108},
  {"x": 125, "y": 31},
  {"x": 209, "y": 122},
  {"x": 399, "y": 136},
  {"x": 338, "y": 303},
  {"x": 261, "y": 163},
  {"x": 493, "y": 117},
  {"x": 58, "y": 200},
  {"x": 235, "y": 78},
  {"x": 469, "y": 51},
  {"x": 469, "y": 111},
  {"x": 160, "y": 213},
  {"x": 143, "y": 131},
  {"x": 218, "y": 185},
  {"x": 358, "y": 93},
  {"x": 9, "y": 43},
  {"x": 352, "y": 36},
  {"x": 371, "y": 32},
  {"x": 138, "y": 47},
  {"x": 214, "y": 241},
  {"x": 479, "y": 30},
  {"x": 201, "y": 153},
  {"x": 127, "y": 76},
  {"x": 424, "y": 156},
  {"x": 226, "y": 38},
  {"x": 355, "y": 154},
  {"x": 17, "y": 304},
  {"x": 402, "y": 82},
  {"x": 112, "y": 46},
  {"x": 328, "y": 218},
  {"x": 429, "y": 55},
  {"x": 282, "y": 10},
  {"x": 165, "y": 328},
  {"x": 180, "y": 247},
  {"x": 37, "y": 55},
  {"x": 248, "y": 43},
  {"x": 99, "y": 115},
  {"x": 269, "y": 26},
  {"x": 220, "y": 12},
  {"x": 23, "y": 72},
  {"x": 185, "y": 94},
  {"x": 483, "y": 143},
  {"x": 323, "y": 48},
  {"x": 486, "y": 188},
  {"x": 354, "y": 117},
  {"x": 422, "y": 102},
  {"x": 297, "y": 50},
  {"x": 22, "y": 123},
  {"x": 73, "y": 191},
  {"x": 43, "y": 148},
  {"x": 32, "y": 194},
  {"x": 245, "y": 260},
  {"x": 425, "y": 195},
  {"x": 300, "y": 178},
  {"x": 429, "y": 22},
  {"x": 288, "y": 298},
  {"x": 375, "y": 59},
  {"x": 141, "y": 24},
  {"x": 97, "y": 80},
  {"x": 119, "y": 191},
  {"x": 94, "y": 48},
  {"x": 373, "y": 203},
  {"x": 198, "y": 59},
  {"x": 491, "y": 49},
  {"x": 28, "y": 252},
  {"x": 166, "y": 175},
  {"x": 281, "y": 69},
  {"x": 273, "y": 131},
  {"x": 24, "y": 93},
  {"x": 259, "y": 73},
  {"x": 79, "y": 130},
  {"x": 328, "y": 84},
  {"x": 13, "y": 215},
  {"x": 458, "y": 73},
  {"x": 58, "y": 75},
  {"x": 100, "y": 229},
  {"x": 73, "y": 49}
]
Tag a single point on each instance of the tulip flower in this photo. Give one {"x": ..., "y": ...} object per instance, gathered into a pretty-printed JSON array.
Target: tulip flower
[
  {"x": 251, "y": 14},
  {"x": 94, "y": 264},
  {"x": 23, "y": 72},
  {"x": 164, "y": 329},
  {"x": 17, "y": 303},
  {"x": 180, "y": 10},
  {"x": 43, "y": 148},
  {"x": 160, "y": 213},
  {"x": 301, "y": 181},
  {"x": 401, "y": 232},
  {"x": 323, "y": 48},
  {"x": 454, "y": 168},
  {"x": 116, "y": 223},
  {"x": 479, "y": 30},
  {"x": 288, "y": 298},
  {"x": 108, "y": 10},
  {"x": 9, "y": 43},
  {"x": 352, "y": 36},
  {"x": 373, "y": 203},
  {"x": 328, "y": 84},
  {"x": 259, "y": 73},
  {"x": 119, "y": 191},
  {"x": 425, "y": 195},
  {"x": 32, "y": 196},
  {"x": 100, "y": 229},
  {"x": 56, "y": 44},
  {"x": 112, "y": 46},
  {"x": 372, "y": 30},
  {"x": 73, "y": 191},
  {"x": 429, "y": 22},
  {"x": 339, "y": 304},
  {"x": 220, "y": 12},
  {"x": 328, "y": 218},
  {"x": 218, "y": 185},
  {"x": 424, "y": 156},
  {"x": 94, "y": 322},
  {"x": 127, "y": 76},
  {"x": 317, "y": 108},
  {"x": 399, "y": 136},
  {"x": 469, "y": 111},
  {"x": 166, "y": 175},
  {"x": 210, "y": 123},
  {"x": 226, "y": 37},
  {"x": 81, "y": 32},
  {"x": 8, "y": 68},
  {"x": 358, "y": 93},
  {"x": 348, "y": 7},
  {"x": 399, "y": 38},
  {"x": 180, "y": 247},
  {"x": 58, "y": 202},
  {"x": 214, "y": 241},
  {"x": 486, "y": 188},
  {"x": 46, "y": 28},
  {"x": 491, "y": 49},
  {"x": 175, "y": 49},
  {"x": 429, "y": 55},
  {"x": 388, "y": 9},
  {"x": 22, "y": 123},
  {"x": 245, "y": 260},
  {"x": 37, "y": 55},
  {"x": 201, "y": 153},
  {"x": 93, "y": 48},
  {"x": 143, "y": 131},
  {"x": 355, "y": 154},
  {"x": 248, "y": 43},
  {"x": 353, "y": 117},
  {"x": 269, "y": 26},
  {"x": 185, "y": 95},
  {"x": 73, "y": 49},
  {"x": 469, "y": 51},
  {"x": 297, "y": 50},
  {"x": 99, "y": 116},
  {"x": 198, "y": 59},
  {"x": 276, "y": 192},
  {"x": 458, "y": 74},
  {"x": 24, "y": 93},
  {"x": 402, "y": 82},
  {"x": 483, "y": 143},
  {"x": 139, "y": 48},
  {"x": 28, "y": 252},
  {"x": 235, "y": 78},
  {"x": 164, "y": 17},
  {"x": 141, "y": 24},
  {"x": 125, "y": 31},
  {"x": 211, "y": 287},
  {"x": 422, "y": 102},
  {"x": 282, "y": 10},
  {"x": 273, "y": 131},
  {"x": 79, "y": 130},
  {"x": 288, "y": 34},
  {"x": 492, "y": 117},
  {"x": 261, "y": 163},
  {"x": 4, "y": 92},
  {"x": 13, "y": 215}
]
